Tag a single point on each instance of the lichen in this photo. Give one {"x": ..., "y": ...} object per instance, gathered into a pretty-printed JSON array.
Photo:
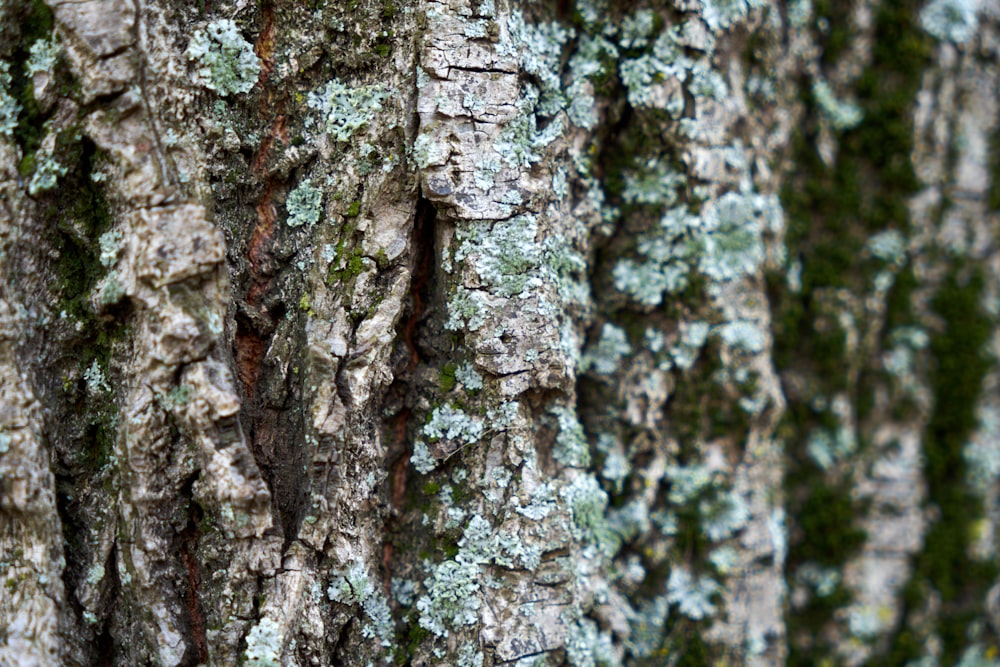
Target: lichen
[
  {"x": 421, "y": 459},
  {"x": 354, "y": 587},
  {"x": 10, "y": 109},
  {"x": 605, "y": 357},
  {"x": 571, "y": 443},
  {"x": 841, "y": 114},
  {"x": 264, "y": 644},
  {"x": 345, "y": 109},
  {"x": 468, "y": 377},
  {"x": 97, "y": 383},
  {"x": 304, "y": 204},
  {"x": 452, "y": 597},
  {"x": 48, "y": 169},
  {"x": 448, "y": 422},
  {"x": 228, "y": 62},
  {"x": 951, "y": 20},
  {"x": 110, "y": 243},
  {"x": 43, "y": 56},
  {"x": 693, "y": 594}
]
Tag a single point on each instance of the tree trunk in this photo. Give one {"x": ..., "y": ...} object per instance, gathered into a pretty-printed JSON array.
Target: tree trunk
[{"x": 478, "y": 332}]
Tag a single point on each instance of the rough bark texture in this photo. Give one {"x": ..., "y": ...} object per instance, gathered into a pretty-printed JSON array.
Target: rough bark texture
[{"x": 482, "y": 332}]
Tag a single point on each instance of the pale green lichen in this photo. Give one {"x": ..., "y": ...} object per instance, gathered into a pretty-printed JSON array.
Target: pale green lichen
[
  {"x": 429, "y": 151},
  {"x": 353, "y": 587},
  {"x": 654, "y": 182},
  {"x": 228, "y": 62},
  {"x": 542, "y": 502},
  {"x": 841, "y": 114},
  {"x": 636, "y": 29},
  {"x": 305, "y": 203},
  {"x": 605, "y": 357},
  {"x": 743, "y": 336},
  {"x": 692, "y": 338},
  {"x": 889, "y": 246},
  {"x": 448, "y": 422},
  {"x": 724, "y": 516},
  {"x": 521, "y": 144},
  {"x": 951, "y": 20},
  {"x": 264, "y": 644},
  {"x": 95, "y": 574},
  {"x": 9, "y": 107},
  {"x": 589, "y": 646},
  {"x": 571, "y": 443},
  {"x": 733, "y": 247},
  {"x": 588, "y": 504},
  {"x": 421, "y": 459},
  {"x": 466, "y": 310},
  {"x": 43, "y": 56},
  {"x": 97, "y": 383},
  {"x": 111, "y": 289},
  {"x": 110, "y": 244},
  {"x": 468, "y": 377},
  {"x": 452, "y": 597},
  {"x": 724, "y": 560},
  {"x": 827, "y": 448},
  {"x": 345, "y": 109},
  {"x": 982, "y": 453},
  {"x": 687, "y": 482},
  {"x": 470, "y": 656},
  {"x": 692, "y": 594},
  {"x": 48, "y": 170}
]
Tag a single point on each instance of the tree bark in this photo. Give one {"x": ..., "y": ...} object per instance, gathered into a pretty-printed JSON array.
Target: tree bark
[{"x": 482, "y": 332}]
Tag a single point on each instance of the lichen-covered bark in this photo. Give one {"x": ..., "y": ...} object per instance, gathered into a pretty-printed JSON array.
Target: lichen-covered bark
[{"x": 480, "y": 332}]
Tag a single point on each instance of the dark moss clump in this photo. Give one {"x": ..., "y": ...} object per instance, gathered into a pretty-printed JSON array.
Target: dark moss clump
[
  {"x": 833, "y": 210},
  {"x": 78, "y": 213},
  {"x": 945, "y": 565},
  {"x": 446, "y": 377}
]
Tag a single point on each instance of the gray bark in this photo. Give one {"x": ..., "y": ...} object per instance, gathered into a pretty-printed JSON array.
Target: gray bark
[{"x": 460, "y": 332}]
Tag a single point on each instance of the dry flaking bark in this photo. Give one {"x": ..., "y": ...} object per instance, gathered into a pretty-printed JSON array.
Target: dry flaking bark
[{"x": 479, "y": 332}]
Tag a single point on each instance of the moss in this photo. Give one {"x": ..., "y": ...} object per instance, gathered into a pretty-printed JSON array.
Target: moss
[
  {"x": 416, "y": 635},
  {"x": 353, "y": 264},
  {"x": 832, "y": 212},
  {"x": 446, "y": 377},
  {"x": 826, "y": 516},
  {"x": 961, "y": 365},
  {"x": 993, "y": 193},
  {"x": 35, "y": 21},
  {"x": 79, "y": 214},
  {"x": 833, "y": 25},
  {"x": 353, "y": 209}
]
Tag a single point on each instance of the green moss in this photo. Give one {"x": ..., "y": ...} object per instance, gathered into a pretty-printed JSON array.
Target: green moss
[
  {"x": 832, "y": 212},
  {"x": 836, "y": 32},
  {"x": 79, "y": 214},
  {"x": 827, "y": 517},
  {"x": 353, "y": 210},
  {"x": 353, "y": 264},
  {"x": 446, "y": 377}
]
